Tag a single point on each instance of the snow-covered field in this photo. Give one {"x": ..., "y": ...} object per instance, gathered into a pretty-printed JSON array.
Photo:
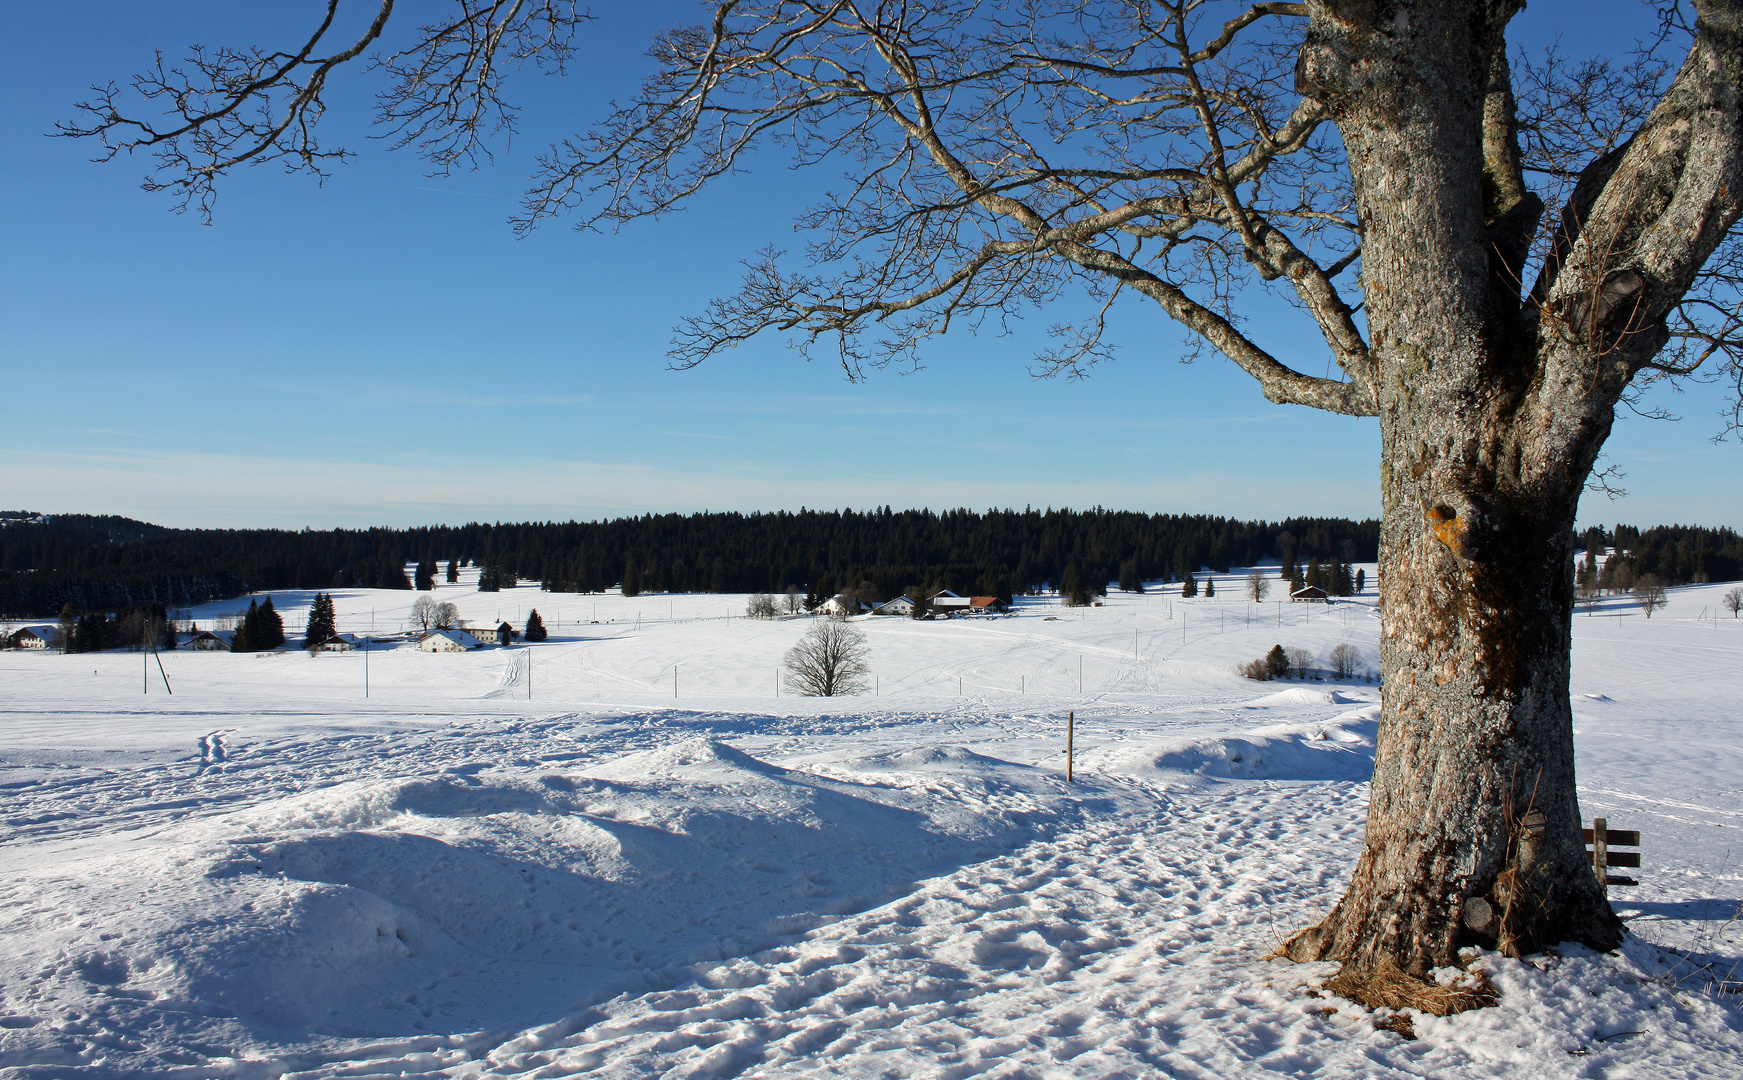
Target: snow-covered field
[{"x": 622, "y": 853}]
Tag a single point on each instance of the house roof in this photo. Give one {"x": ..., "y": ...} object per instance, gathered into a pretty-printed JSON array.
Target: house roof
[
  {"x": 1313, "y": 591},
  {"x": 458, "y": 637},
  {"x": 983, "y": 601}
]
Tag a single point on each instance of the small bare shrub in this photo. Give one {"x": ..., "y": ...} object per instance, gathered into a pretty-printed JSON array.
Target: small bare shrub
[
  {"x": 1345, "y": 659},
  {"x": 1299, "y": 661}
]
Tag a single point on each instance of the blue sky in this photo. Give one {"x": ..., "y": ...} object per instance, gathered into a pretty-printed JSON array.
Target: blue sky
[{"x": 383, "y": 350}]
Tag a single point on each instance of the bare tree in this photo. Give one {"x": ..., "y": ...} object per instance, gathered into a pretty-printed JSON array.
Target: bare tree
[
  {"x": 1300, "y": 660},
  {"x": 830, "y": 660},
  {"x": 447, "y": 614},
  {"x": 1649, "y": 593},
  {"x": 1496, "y": 255},
  {"x": 1258, "y": 585},
  {"x": 426, "y": 613},
  {"x": 1345, "y": 659},
  {"x": 761, "y": 606},
  {"x": 794, "y": 601},
  {"x": 1733, "y": 601}
]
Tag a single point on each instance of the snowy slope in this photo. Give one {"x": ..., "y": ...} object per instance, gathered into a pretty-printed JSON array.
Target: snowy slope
[{"x": 269, "y": 873}]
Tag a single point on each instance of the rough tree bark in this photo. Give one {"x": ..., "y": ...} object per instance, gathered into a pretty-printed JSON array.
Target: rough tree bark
[
  {"x": 1201, "y": 165},
  {"x": 1492, "y": 412}
]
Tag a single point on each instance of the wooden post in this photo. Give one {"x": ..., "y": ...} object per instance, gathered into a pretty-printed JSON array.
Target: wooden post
[
  {"x": 1601, "y": 853},
  {"x": 1070, "y": 733}
]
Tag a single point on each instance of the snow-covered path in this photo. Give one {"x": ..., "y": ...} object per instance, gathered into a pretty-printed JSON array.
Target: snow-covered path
[{"x": 266, "y": 876}]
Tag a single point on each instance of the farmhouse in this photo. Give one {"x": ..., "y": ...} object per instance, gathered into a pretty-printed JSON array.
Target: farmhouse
[
  {"x": 901, "y": 605},
  {"x": 449, "y": 641},
  {"x": 41, "y": 636},
  {"x": 206, "y": 640},
  {"x": 1310, "y": 594},
  {"x": 500, "y": 634},
  {"x": 341, "y": 643},
  {"x": 948, "y": 603},
  {"x": 35, "y": 636},
  {"x": 843, "y": 605}
]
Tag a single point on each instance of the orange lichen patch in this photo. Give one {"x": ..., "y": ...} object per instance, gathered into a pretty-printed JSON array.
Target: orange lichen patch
[{"x": 1447, "y": 528}]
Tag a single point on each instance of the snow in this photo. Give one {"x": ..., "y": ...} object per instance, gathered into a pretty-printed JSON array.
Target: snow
[{"x": 558, "y": 859}]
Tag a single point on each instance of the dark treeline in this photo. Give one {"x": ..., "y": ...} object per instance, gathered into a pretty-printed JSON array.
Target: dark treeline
[
  {"x": 117, "y": 564},
  {"x": 1677, "y": 554},
  {"x": 109, "y": 563}
]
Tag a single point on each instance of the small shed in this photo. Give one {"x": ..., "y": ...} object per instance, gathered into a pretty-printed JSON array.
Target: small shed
[
  {"x": 449, "y": 641},
  {"x": 1310, "y": 594},
  {"x": 901, "y": 605},
  {"x": 341, "y": 643}
]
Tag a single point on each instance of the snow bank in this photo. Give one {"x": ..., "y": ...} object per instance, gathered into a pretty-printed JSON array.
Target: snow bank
[{"x": 1340, "y": 749}]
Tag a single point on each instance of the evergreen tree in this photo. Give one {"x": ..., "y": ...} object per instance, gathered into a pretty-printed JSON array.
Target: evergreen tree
[
  {"x": 69, "y": 622},
  {"x": 632, "y": 578},
  {"x": 1316, "y": 574},
  {"x": 1361, "y": 579},
  {"x": 1071, "y": 586},
  {"x": 1296, "y": 581},
  {"x": 322, "y": 624},
  {"x": 1209, "y": 586},
  {"x": 271, "y": 629},
  {"x": 243, "y": 639},
  {"x": 426, "y": 575},
  {"x": 1129, "y": 580},
  {"x": 453, "y": 571},
  {"x": 1342, "y": 583},
  {"x": 1189, "y": 587},
  {"x": 489, "y": 579},
  {"x": 535, "y": 629}
]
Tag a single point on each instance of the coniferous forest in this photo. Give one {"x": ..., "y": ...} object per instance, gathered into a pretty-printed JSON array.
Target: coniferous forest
[{"x": 118, "y": 564}]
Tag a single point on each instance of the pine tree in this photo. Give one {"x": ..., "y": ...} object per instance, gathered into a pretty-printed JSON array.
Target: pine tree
[
  {"x": 1316, "y": 574},
  {"x": 1209, "y": 586},
  {"x": 243, "y": 640},
  {"x": 453, "y": 571},
  {"x": 271, "y": 632},
  {"x": 1071, "y": 586},
  {"x": 1189, "y": 587},
  {"x": 426, "y": 580},
  {"x": 1296, "y": 581},
  {"x": 322, "y": 625},
  {"x": 632, "y": 578},
  {"x": 535, "y": 630},
  {"x": 1129, "y": 581},
  {"x": 1361, "y": 579},
  {"x": 489, "y": 579}
]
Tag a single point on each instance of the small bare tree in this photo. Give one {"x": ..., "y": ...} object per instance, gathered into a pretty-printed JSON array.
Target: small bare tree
[
  {"x": 1649, "y": 593},
  {"x": 446, "y": 615},
  {"x": 1345, "y": 659},
  {"x": 830, "y": 660},
  {"x": 1299, "y": 661},
  {"x": 1733, "y": 601},
  {"x": 794, "y": 601},
  {"x": 761, "y": 606},
  {"x": 1258, "y": 585}
]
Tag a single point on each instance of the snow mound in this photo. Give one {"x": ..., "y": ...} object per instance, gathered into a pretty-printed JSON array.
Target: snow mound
[
  {"x": 1301, "y": 695},
  {"x": 1340, "y": 749},
  {"x": 690, "y": 758},
  {"x": 926, "y": 759}
]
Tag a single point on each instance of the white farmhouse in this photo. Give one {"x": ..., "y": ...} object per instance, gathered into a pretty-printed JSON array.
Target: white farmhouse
[
  {"x": 901, "y": 605},
  {"x": 42, "y": 636},
  {"x": 842, "y": 605},
  {"x": 449, "y": 641}
]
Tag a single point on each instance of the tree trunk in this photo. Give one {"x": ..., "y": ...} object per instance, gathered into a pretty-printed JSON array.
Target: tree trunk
[{"x": 1473, "y": 829}]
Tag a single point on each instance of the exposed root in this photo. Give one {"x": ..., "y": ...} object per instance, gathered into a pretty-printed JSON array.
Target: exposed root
[{"x": 1386, "y": 987}]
